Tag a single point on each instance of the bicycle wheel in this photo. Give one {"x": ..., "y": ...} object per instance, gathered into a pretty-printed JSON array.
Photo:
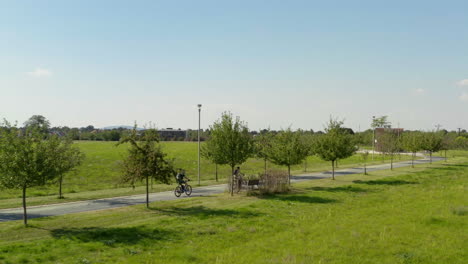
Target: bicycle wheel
[
  {"x": 188, "y": 190},
  {"x": 177, "y": 191}
]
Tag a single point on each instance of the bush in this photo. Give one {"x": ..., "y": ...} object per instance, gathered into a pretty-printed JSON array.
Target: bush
[{"x": 274, "y": 182}]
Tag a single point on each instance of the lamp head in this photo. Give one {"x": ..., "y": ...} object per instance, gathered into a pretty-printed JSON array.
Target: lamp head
[{"x": 199, "y": 105}]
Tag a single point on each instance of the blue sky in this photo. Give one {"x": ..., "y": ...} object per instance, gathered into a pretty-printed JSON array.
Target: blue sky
[{"x": 273, "y": 63}]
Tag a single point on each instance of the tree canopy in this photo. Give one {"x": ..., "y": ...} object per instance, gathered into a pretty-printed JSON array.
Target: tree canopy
[
  {"x": 335, "y": 144},
  {"x": 230, "y": 142}
]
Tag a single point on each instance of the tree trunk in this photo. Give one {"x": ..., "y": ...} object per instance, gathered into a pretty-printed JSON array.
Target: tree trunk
[
  {"x": 391, "y": 162},
  {"x": 265, "y": 165},
  {"x": 289, "y": 175},
  {"x": 305, "y": 165},
  {"x": 25, "y": 214},
  {"x": 232, "y": 180},
  {"x": 445, "y": 155},
  {"x": 412, "y": 159},
  {"x": 365, "y": 169},
  {"x": 430, "y": 155},
  {"x": 216, "y": 168},
  {"x": 60, "y": 187},
  {"x": 147, "y": 192},
  {"x": 333, "y": 169}
]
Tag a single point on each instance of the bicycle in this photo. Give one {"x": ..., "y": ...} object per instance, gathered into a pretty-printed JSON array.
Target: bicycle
[{"x": 183, "y": 188}]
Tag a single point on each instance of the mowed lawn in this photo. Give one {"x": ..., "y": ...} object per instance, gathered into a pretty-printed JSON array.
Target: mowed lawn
[
  {"x": 402, "y": 216},
  {"x": 99, "y": 175}
]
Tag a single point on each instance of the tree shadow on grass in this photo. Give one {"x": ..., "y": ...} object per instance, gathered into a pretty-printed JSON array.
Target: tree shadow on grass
[
  {"x": 111, "y": 236},
  {"x": 205, "y": 212},
  {"x": 299, "y": 198},
  {"x": 385, "y": 182},
  {"x": 347, "y": 188}
]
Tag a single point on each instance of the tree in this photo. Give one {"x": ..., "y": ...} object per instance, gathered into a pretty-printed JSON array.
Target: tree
[
  {"x": 26, "y": 159},
  {"x": 146, "y": 160},
  {"x": 39, "y": 122},
  {"x": 287, "y": 149},
  {"x": 231, "y": 141},
  {"x": 390, "y": 144},
  {"x": 365, "y": 156},
  {"x": 381, "y": 122},
  {"x": 447, "y": 143},
  {"x": 334, "y": 144},
  {"x": 412, "y": 142},
  {"x": 209, "y": 151},
  {"x": 262, "y": 144},
  {"x": 66, "y": 158},
  {"x": 431, "y": 142}
]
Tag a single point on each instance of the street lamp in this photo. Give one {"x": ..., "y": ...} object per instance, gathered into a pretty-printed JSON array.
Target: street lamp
[
  {"x": 373, "y": 138},
  {"x": 199, "y": 114}
]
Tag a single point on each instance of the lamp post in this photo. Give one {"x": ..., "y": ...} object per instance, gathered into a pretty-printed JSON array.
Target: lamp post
[
  {"x": 373, "y": 137},
  {"x": 199, "y": 114}
]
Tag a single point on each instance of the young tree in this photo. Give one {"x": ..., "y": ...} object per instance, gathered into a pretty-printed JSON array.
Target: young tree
[
  {"x": 335, "y": 144},
  {"x": 431, "y": 142},
  {"x": 26, "y": 160},
  {"x": 365, "y": 156},
  {"x": 208, "y": 151},
  {"x": 232, "y": 142},
  {"x": 412, "y": 142},
  {"x": 66, "y": 158},
  {"x": 447, "y": 143},
  {"x": 287, "y": 149},
  {"x": 390, "y": 144},
  {"x": 262, "y": 145},
  {"x": 146, "y": 159}
]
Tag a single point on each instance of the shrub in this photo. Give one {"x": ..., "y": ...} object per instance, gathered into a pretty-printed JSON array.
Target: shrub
[{"x": 274, "y": 182}]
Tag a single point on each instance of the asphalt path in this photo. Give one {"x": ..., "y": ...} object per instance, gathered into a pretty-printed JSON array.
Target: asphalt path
[{"x": 115, "y": 202}]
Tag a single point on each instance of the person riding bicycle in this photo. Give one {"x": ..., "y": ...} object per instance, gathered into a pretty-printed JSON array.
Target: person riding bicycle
[{"x": 180, "y": 177}]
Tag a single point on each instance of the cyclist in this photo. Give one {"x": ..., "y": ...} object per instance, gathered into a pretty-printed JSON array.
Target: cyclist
[{"x": 180, "y": 177}]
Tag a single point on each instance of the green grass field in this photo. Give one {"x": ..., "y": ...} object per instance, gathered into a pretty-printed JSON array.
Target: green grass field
[
  {"x": 98, "y": 176},
  {"x": 401, "y": 216}
]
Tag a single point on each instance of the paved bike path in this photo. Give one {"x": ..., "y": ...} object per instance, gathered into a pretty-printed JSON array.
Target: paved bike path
[{"x": 108, "y": 203}]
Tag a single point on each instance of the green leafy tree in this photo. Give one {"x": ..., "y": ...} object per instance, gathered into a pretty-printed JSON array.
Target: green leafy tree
[
  {"x": 231, "y": 143},
  {"x": 38, "y": 122},
  {"x": 412, "y": 142},
  {"x": 209, "y": 151},
  {"x": 335, "y": 144},
  {"x": 431, "y": 142},
  {"x": 27, "y": 159},
  {"x": 66, "y": 158},
  {"x": 381, "y": 121},
  {"x": 390, "y": 144},
  {"x": 287, "y": 149},
  {"x": 262, "y": 144},
  {"x": 146, "y": 160}
]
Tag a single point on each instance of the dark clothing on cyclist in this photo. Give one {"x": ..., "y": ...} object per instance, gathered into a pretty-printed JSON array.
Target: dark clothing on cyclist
[{"x": 180, "y": 177}]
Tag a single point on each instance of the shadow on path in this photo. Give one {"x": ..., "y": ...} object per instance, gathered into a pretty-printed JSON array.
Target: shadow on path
[
  {"x": 205, "y": 212},
  {"x": 111, "y": 236}
]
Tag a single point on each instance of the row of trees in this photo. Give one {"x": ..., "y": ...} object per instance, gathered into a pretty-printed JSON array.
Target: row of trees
[
  {"x": 31, "y": 157},
  {"x": 232, "y": 144}
]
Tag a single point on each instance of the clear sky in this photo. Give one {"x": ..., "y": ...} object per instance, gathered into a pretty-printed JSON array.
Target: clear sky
[{"x": 273, "y": 63}]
